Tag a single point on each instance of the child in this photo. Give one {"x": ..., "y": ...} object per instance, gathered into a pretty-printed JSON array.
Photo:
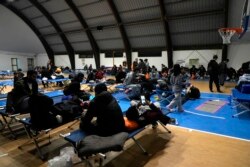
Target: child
[{"x": 177, "y": 83}]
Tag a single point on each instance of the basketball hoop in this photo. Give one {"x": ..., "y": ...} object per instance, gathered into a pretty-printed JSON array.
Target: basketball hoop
[{"x": 227, "y": 33}]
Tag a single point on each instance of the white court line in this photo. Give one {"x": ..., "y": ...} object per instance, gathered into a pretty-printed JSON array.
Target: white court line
[
  {"x": 3, "y": 155},
  {"x": 190, "y": 129},
  {"x": 204, "y": 115}
]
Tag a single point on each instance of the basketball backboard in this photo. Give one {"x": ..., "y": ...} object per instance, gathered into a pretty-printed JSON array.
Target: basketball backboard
[{"x": 245, "y": 22}]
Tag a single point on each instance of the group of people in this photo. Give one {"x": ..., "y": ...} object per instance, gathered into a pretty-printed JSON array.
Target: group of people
[
  {"x": 110, "y": 119},
  {"x": 217, "y": 73}
]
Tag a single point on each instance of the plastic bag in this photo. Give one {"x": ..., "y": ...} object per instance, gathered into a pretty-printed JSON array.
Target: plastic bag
[
  {"x": 65, "y": 158},
  {"x": 68, "y": 151},
  {"x": 60, "y": 161}
]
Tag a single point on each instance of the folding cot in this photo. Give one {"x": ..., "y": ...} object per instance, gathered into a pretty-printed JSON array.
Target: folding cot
[
  {"x": 51, "y": 82},
  {"x": 241, "y": 99},
  {"x": 35, "y": 135},
  {"x": 4, "y": 84},
  {"x": 163, "y": 95},
  {"x": 8, "y": 118},
  {"x": 90, "y": 149},
  {"x": 5, "y": 73},
  {"x": 73, "y": 137},
  {"x": 91, "y": 85}
]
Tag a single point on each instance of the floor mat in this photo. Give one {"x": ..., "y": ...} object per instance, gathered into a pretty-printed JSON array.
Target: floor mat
[{"x": 211, "y": 106}]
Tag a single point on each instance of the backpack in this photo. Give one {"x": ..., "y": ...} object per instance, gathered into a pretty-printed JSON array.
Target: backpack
[
  {"x": 110, "y": 81},
  {"x": 40, "y": 112},
  {"x": 193, "y": 93},
  {"x": 69, "y": 110},
  {"x": 132, "y": 113},
  {"x": 133, "y": 91}
]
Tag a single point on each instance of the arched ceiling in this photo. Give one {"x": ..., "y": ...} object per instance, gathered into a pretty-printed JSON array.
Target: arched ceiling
[{"x": 95, "y": 26}]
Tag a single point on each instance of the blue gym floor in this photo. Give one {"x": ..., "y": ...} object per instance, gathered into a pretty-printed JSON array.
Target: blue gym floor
[{"x": 220, "y": 122}]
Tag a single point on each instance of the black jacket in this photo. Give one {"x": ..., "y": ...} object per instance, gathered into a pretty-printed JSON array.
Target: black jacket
[
  {"x": 74, "y": 88},
  {"x": 213, "y": 68},
  {"x": 108, "y": 113},
  {"x": 40, "y": 112}
]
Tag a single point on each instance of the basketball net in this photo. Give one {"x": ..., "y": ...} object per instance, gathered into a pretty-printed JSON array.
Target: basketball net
[{"x": 227, "y": 33}]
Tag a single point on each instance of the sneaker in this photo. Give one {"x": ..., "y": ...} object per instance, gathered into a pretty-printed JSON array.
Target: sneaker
[
  {"x": 169, "y": 109},
  {"x": 154, "y": 125},
  {"x": 173, "y": 121},
  {"x": 181, "y": 110}
]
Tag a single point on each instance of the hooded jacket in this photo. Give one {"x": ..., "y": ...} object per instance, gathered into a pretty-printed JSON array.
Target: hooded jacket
[{"x": 109, "y": 116}]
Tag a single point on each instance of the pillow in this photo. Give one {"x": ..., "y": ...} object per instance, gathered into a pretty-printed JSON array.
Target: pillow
[
  {"x": 130, "y": 125},
  {"x": 94, "y": 144}
]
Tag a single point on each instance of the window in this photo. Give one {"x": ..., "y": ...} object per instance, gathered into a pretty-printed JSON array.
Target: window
[
  {"x": 113, "y": 54},
  {"x": 149, "y": 53},
  {"x": 194, "y": 62},
  {"x": 30, "y": 63},
  {"x": 81, "y": 56},
  {"x": 14, "y": 64}
]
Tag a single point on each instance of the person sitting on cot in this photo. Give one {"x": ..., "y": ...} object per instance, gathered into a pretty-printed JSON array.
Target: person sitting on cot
[
  {"x": 106, "y": 110},
  {"x": 74, "y": 88}
]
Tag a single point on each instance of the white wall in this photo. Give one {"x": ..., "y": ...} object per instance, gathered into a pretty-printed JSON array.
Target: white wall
[
  {"x": 204, "y": 56},
  {"x": 238, "y": 54},
  {"x": 156, "y": 61},
  {"x": 5, "y": 63},
  {"x": 81, "y": 62},
  {"x": 41, "y": 60},
  {"x": 108, "y": 62},
  {"x": 63, "y": 60}
]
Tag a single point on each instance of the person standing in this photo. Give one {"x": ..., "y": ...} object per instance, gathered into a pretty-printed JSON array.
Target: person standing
[
  {"x": 49, "y": 64},
  {"x": 134, "y": 65},
  {"x": 177, "y": 83},
  {"x": 223, "y": 71},
  {"x": 74, "y": 88},
  {"x": 213, "y": 72}
]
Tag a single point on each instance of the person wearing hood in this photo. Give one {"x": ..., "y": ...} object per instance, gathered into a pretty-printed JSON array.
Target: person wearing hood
[
  {"x": 74, "y": 88},
  {"x": 109, "y": 116}
]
